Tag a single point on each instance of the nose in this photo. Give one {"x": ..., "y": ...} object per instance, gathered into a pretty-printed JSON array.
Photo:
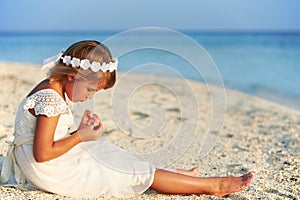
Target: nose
[{"x": 90, "y": 96}]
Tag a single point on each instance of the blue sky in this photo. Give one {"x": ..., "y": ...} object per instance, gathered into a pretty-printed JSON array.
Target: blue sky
[{"x": 209, "y": 15}]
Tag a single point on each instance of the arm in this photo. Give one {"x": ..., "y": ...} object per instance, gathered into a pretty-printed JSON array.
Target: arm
[{"x": 44, "y": 146}]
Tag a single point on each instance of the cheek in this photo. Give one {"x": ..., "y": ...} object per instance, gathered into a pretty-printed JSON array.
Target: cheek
[
  {"x": 78, "y": 93},
  {"x": 69, "y": 91},
  {"x": 75, "y": 92}
]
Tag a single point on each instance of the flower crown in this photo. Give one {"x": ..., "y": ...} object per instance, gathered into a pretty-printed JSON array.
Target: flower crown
[{"x": 84, "y": 64}]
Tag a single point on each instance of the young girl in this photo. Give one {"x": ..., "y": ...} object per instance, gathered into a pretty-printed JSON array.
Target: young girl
[{"x": 46, "y": 156}]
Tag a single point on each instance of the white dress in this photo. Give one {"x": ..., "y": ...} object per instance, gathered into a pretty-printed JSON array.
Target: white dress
[{"x": 89, "y": 169}]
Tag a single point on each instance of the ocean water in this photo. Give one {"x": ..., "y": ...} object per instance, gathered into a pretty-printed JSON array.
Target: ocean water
[{"x": 264, "y": 64}]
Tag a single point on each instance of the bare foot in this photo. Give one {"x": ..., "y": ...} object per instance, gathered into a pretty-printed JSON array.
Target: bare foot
[
  {"x": 192, "y": 172},
  {"x": 229, "y": 185}
]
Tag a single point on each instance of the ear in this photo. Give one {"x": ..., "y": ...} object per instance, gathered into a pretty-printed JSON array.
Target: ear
[{"x": 71, "y": 77}]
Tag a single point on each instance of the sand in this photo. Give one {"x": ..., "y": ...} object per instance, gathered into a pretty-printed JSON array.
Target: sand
[{"x": 257, "y": 135}]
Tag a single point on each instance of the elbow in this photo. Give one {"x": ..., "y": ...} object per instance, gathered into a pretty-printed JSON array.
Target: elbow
[
  {"x": 40, "y": 157},
  {"x": 40, "y": 160}
]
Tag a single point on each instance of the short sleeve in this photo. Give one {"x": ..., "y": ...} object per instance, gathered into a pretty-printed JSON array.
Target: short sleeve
[{"x": 46, "y": 102}]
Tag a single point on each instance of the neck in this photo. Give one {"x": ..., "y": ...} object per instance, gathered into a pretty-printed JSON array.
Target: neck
[{"x": 58, "y": 86}]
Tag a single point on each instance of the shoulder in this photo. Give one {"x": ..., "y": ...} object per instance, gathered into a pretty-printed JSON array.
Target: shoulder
[
  {"x": 47, "y": 86},
  {"x": 47, "y": 94},
  {"x": 45, "y": 101}
]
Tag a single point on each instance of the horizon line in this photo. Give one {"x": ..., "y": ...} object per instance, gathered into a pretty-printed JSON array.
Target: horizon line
[{"x": 41, "y": 31}]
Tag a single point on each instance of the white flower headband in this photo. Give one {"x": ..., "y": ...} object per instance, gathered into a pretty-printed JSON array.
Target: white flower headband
[
  {"x": 84, "y": 64},
  {"x": 94, "y": 66}
]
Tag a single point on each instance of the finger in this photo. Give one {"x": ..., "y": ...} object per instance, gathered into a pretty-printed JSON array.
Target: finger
[
  {"x": 87, "y": 113},
  {"x": 96, "y": 118},
  {"x": 87, "y": 117},
  {"x": 91, "y": 121},
  {"x": 100, "y": 125}
]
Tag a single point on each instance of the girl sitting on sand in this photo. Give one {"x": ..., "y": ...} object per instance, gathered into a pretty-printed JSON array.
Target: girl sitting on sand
[{"x": 46, "y": 156}]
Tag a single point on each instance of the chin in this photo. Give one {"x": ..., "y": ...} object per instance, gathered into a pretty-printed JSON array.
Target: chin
[{"x": 76, "y": 101}]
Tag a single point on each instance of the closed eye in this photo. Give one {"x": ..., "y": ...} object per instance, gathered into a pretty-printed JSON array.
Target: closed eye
[{"x": 91, "y": 90}]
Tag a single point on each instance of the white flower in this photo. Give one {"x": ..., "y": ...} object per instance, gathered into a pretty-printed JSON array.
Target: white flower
[
  {"x": 112, "y": 67},
  {"x": 85, "y": 64},
  {"x": 67, "y": 60},
  {"x": 95, "y": 66},
  {"x": 75, "y": 62},
  {"x": 108, "y": 66},
  {"x": 104, "y": 67}
]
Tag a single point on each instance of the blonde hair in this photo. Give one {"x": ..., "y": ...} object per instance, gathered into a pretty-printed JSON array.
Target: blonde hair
[{"x": 88, "y": 49}]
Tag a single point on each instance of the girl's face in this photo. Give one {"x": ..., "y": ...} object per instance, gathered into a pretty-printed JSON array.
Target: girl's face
[{"x": 80, "y": 90}]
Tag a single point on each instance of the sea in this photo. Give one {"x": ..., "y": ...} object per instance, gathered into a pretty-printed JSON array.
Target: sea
[{"x": 264, "y": 64}]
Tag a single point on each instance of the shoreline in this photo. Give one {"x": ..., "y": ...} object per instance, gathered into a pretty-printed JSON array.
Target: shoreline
[
  {"x": 257, "y": 135},
  {"x": 280, "y": 101}
]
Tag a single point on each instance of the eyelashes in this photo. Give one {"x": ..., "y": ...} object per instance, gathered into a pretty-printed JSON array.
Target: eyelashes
[{"x": 91, "y": 90}]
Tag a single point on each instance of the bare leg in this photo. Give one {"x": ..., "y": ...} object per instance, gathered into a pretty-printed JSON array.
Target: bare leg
[
  {"x": 175, "y": 183},
  {"x": 192, "y": 172}
]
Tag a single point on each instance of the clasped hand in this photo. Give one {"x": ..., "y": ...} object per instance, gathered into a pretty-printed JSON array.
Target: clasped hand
[{"x": 90, "y": 127}]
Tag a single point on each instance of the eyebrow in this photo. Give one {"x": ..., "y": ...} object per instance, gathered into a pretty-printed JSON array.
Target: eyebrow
[{"x": 93, "y": 83}]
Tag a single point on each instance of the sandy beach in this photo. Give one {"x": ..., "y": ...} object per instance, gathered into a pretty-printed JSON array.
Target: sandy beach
[{"x": 257, "y": 135}]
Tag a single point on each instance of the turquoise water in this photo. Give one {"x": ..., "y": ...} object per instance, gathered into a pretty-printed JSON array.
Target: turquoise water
[{"x": 262, "y": 64}]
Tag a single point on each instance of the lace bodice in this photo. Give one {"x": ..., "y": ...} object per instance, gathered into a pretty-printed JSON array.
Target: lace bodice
[{"x": 44, "y": 102}]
